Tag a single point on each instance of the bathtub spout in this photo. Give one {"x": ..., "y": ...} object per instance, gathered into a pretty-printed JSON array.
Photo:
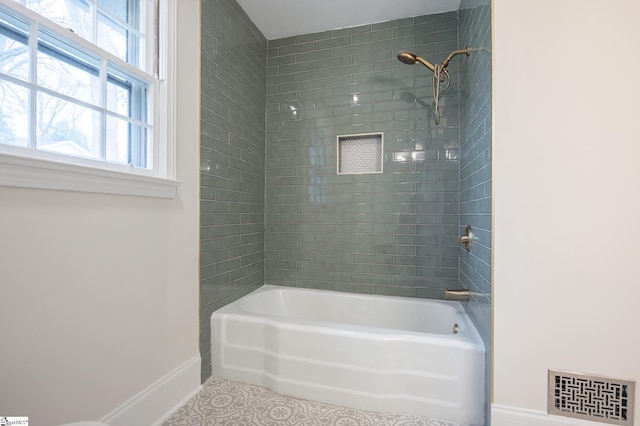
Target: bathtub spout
[{"x": 460, "y": 294}]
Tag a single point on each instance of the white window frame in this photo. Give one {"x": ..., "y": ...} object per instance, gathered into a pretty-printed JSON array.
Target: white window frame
[{"x": 59, "y": 173}]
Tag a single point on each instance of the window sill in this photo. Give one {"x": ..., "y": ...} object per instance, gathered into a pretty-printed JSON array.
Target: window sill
[{"x": 22, "y": 172}]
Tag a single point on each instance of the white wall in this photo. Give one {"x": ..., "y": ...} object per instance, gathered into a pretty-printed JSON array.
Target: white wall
[
  {"x": 566, "y": 194},
  {"x": 99, "y": 293}
]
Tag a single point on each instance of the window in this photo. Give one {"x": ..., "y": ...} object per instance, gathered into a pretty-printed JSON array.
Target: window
[{"x": 78, "y": 86}]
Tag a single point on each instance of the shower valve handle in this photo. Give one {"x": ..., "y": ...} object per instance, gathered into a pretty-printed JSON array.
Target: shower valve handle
[{"x": 467, "y": 238}]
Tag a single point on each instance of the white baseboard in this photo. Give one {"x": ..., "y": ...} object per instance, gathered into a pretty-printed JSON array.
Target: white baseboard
[
  {"x": 512, "y": 416},
  {"x": 155, "y": 404}
]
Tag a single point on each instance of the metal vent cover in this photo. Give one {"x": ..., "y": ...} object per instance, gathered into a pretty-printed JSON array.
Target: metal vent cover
[
  {"x": 361, "y": 153},
  {"x": 588, "y": 397}
]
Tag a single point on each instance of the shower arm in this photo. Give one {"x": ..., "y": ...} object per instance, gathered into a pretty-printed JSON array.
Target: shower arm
[
  {"x": 444, "y": 63},
  {"x": 466, "y": 51}
]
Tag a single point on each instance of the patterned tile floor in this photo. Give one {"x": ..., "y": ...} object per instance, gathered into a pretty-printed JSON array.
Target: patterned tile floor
[{"x": 222, "y": 402}]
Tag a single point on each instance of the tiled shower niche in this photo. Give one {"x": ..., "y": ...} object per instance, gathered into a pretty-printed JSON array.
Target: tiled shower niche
[{"x": 360, "y": 154}]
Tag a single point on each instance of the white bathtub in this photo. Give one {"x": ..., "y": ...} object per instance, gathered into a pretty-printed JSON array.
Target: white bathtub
[{"x": 373, "y": 353}]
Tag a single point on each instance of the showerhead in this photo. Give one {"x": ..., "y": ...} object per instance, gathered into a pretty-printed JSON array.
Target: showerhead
[
  {"x": 441, "y": 76},
  {"x": 407, "y": 57},
  {"x": 410, "y": 59}
]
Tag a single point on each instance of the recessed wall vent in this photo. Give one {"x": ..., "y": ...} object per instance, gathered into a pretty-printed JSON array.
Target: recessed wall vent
[
  {"x": 359, "y": 154},
  {"x": 587, "y": 397}
]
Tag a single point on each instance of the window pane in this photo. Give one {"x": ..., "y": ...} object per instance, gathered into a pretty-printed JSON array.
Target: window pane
[
  {"x": 119, "y": 8},
  {"x": 117, "y": 98},
  {"x": 67, "y": 128},
  {"x": 112, "y": 37},
  {"x": 14, "y": 116},
  {"x": 72, "y": 14},
  {"x": 62, "y": 72},
  {"x": 140, "y": 147},
  {"x": 14, "y": 52},
  {"x": 126, "y": 94},
  {"x": 127, "y": 143},
  {"x": 117, "y": 141}
]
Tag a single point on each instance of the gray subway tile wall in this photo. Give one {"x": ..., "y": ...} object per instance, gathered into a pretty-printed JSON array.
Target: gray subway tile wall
[
  {"x": 393, "y": 233},
  {"x": 232, "y": 179},
  {"x": 475, "y": 167}
]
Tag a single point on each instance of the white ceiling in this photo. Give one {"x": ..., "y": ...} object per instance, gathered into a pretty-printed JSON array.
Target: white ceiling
[{"x": 284, "y": 18}]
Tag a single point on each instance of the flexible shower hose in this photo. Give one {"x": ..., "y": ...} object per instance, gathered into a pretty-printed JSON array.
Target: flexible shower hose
[{"x": 437, "y": 73}]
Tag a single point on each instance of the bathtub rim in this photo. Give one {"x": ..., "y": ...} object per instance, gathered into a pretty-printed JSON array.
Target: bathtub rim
[{"x": 468, "y": 337}]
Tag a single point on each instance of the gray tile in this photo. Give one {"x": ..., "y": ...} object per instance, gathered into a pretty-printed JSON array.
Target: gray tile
[
  {"x": 352, "y": 49},
  {"x": 399, "y": 291},
  {"x": 295, "y": 48},
  {"x": 305, "y": 38},
  {"x": 333, "y": 42},
  {"x": 233, "y": 109},
  {"x": 315, "y": 55}
]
